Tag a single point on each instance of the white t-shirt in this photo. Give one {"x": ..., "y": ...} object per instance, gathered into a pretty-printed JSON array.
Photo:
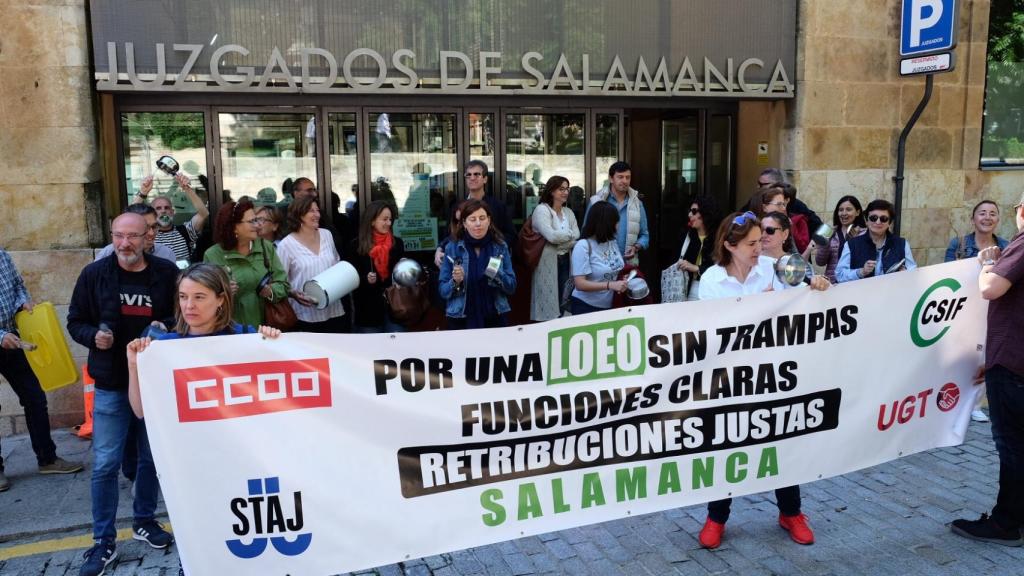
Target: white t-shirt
[{"x": 717, "y": 283}]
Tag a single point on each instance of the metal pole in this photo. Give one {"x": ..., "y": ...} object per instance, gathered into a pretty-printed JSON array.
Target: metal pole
[{"x": 901, "y": 150}]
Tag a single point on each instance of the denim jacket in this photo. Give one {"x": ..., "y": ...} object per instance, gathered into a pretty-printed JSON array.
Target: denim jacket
[
  {"x": 503, "y": 285},
  {"x": 970, "y": 247}
]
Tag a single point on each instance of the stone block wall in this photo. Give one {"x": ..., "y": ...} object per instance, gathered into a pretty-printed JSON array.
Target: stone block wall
[
  {"x": 841, "y": 132},
  {"x": 48, "y": 155}
]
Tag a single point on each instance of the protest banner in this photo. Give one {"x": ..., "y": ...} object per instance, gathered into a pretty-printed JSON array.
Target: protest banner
[{"x": 318, "y": 454}]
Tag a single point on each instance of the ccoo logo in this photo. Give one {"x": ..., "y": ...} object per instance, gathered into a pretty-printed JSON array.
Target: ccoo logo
[
  {"x": 935, "y": 310},
  {"x": 261, "y": 517}
]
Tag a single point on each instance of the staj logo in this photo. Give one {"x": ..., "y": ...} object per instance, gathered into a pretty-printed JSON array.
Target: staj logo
[
  {"x": 238, "y": 390},
  {"x": 933, "y": 314},
  {"x": 261, "y": 517},
  {"x": 903, "y": 411}
]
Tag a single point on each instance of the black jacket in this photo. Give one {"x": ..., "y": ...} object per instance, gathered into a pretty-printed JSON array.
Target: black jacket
[
  {"x": 707, "y": 250},
  {"x": 368, "y": 304},
  {"x": 97, "y": 299}
]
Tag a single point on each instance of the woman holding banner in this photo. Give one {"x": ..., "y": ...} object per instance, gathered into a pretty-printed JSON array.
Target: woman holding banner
[
  {"x": 203, "y": 308},
  {"x": 476, "y": 272},
  {"x": 741, "y": 270}
]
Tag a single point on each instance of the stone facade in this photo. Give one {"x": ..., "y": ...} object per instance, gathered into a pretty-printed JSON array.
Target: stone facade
[
  {"x": 841, "y": 132},
  {"x": 48, "y": 156}
]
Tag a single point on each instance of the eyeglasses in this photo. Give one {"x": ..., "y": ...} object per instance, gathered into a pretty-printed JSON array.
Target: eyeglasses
[
  {"x": 778, "y": 204},
  {"x": 877, "y": 218},
  {"x": 694, "y": 211},
  {"x": 763, "y": 184},
  {"x": 771, "y": 230},
  {"x": 474, "y": 174},
  {"x": 119, "y": 236},
  {"x": 744, "y": 218},
  {"x": 255, "y": 221},
  {"x": 563, "y": 188},
  {"x": 1018, "y": 206}
]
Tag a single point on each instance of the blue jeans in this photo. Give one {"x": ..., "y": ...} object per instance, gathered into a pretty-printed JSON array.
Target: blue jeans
[
  {"x": 14, "y": 367},
  {"x": 1005, "y": 391},
  {"x": 388, "y": 326},
  {"x": 112, "y": 416}
]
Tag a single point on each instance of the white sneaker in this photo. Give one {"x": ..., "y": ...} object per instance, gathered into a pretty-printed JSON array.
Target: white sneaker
[{"x": 979, "y": 416}]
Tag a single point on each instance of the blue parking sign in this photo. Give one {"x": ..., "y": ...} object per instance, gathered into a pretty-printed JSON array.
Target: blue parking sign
[{"x": 928, "y": 26}]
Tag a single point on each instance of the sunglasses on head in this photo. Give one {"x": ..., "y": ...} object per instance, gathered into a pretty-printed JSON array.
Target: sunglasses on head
[
  {"x": 744, "y": 218},
  {"x": 877, "y": 218}
]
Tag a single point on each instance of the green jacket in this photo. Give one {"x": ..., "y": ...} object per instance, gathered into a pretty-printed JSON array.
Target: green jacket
[{"x": 247, "y": 271}]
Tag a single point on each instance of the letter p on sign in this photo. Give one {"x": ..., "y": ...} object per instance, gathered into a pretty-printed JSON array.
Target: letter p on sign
[{"x": 928, "y": 26}]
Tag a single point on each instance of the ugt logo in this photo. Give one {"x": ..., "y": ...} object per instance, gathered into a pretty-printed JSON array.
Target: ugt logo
[
  {"x": 261, "y": 515},
  {"x": 933, "y": 313}
]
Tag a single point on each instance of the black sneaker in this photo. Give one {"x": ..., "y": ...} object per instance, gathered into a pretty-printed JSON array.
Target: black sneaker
[
  {"x": 97, "y": 559},
  {"x": 152, "y": 533},
  {"x": 986, "y": 530}
]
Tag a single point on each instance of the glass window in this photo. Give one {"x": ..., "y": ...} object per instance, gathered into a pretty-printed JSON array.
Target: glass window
[
  {"x": 481, "y": 141},
  {"x": 344, "y": 174},
  {"x": 1002, "y": 141},
  {"x": 147, "y": 136},
  {"x": 414, "y": 164},
  {"x": 537, "y": 147},
  {"x": 259, "y": 151},
  {"x": 607, "y": 146}
]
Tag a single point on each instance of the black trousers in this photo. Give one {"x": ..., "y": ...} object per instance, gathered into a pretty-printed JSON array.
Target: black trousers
[
  {"x": 15, "y": 369},
  {"x": 1005, "y": 391},
  {"x": 788, "y": 500}
]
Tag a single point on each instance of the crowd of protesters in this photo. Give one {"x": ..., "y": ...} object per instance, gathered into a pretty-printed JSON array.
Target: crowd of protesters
[{"x": 263, "y": 254}]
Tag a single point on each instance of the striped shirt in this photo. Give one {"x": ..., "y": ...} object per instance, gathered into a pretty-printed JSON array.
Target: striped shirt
[
  {"x": 302, "y": 265},
  {"x": 176, "y": 241},
  {"x": 12, "y": 293}
]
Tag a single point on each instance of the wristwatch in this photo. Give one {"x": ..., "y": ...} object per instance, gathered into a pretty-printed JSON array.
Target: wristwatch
[{"x": 988, "y": 262}]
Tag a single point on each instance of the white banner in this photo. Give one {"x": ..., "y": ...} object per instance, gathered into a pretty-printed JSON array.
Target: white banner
[{"x": 319, "y": 454}]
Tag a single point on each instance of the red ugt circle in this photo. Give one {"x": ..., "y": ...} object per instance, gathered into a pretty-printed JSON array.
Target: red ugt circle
[{"x": 948, "y": 397}]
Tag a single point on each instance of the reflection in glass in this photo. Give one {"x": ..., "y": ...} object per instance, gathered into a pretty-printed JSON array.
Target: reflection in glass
[
  {"x": 414, "y": 164},
  {"x": 146, "y": 136},
  {"x": 539, "y": 146},
  {"x": 607, "y": 146},
  {"x": 344, "y": 175},
  {"x": 481, "y": 142},
  {"x": 260, "y": 151},
  {"x": 679, "y": 160}
]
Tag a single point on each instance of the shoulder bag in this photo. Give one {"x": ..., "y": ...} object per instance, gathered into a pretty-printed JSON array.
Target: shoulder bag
[
  {"x": 278, "y": 314},
  {"x": 530, "y": 245}
]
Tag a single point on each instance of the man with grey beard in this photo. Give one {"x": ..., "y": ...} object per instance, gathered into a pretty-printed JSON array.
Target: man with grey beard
[{"x": 115, "y": 299}]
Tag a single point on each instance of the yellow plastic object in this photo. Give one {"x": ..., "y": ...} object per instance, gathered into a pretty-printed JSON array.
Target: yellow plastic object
[{"x": 51, "y": 360}]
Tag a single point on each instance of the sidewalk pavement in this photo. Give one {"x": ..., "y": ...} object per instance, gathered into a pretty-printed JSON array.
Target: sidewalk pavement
[{"x": 887, "y": 520}]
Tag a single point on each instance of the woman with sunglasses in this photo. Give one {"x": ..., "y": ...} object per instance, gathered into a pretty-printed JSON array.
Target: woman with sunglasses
[
  {"x": 741, "y": 270},
  {"x": 777, "y": 238},
  {"x": 553, "y": 220},
  {"x": 247, "y": 259},
  {"x": 877, "y": 252},
  {"x": 848, "y": 222},
  {"x": 697, "y": 254}
]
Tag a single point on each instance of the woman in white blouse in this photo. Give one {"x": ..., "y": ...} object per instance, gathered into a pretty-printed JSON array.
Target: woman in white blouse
[
  {"x": 304, "y": 253},
  {"x": 553, "y": 220},
  {"x": 740, "y": 270}
]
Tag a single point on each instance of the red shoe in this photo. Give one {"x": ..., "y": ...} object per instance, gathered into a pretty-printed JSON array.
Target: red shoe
[
  {"x": 711, "y": 534},
  {"x": 797, "y": 527}
]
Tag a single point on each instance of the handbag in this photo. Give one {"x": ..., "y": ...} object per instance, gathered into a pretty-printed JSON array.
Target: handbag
[
  {"x": 530, "y": 245},
  {"x": 278, "y": 314},
  {"x": 675, "y": 282},
  {"x": 408, "y": 304}
]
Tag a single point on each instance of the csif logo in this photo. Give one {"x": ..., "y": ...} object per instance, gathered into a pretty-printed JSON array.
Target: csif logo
[
  {"x": 935, "y": 310},
  {"x": 262, "y": 517},
  {"x": 236, "y": 390}
]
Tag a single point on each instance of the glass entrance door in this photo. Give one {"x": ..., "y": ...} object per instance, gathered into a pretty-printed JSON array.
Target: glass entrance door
[{"x": 681, "y": 178}]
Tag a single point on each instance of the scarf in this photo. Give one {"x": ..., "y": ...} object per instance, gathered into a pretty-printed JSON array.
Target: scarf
[
  {"x": 479, "y": 295},
  {"x": 379, "y": 253}
]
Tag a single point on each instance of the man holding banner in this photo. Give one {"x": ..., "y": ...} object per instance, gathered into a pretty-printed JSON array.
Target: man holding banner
[{"x": 1001, "y": 284}]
